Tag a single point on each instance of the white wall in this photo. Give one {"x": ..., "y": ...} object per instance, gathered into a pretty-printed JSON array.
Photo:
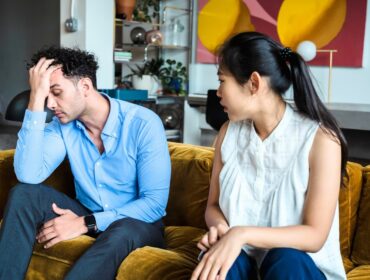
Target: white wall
[{"x": 95, "y": 33}]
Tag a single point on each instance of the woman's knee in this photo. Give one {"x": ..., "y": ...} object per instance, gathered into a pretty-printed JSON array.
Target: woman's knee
[
  {"x": 288, "y": 255},
  {"x": 289, "y": 263},
  {"x": 244, "y": 267}
]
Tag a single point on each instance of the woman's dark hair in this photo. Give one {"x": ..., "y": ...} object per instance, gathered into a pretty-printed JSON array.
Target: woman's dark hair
[
  {"x": 76, "y": 64},
  {"x": 252, "y": 51}
]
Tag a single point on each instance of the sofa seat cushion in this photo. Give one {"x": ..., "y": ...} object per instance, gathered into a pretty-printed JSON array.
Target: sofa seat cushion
[
  {"x": 176, "y": 262},
  {"x": 56, "y": 261},
  {"x": 176, "y": 236},
  {"x": 359, "y": 273}
]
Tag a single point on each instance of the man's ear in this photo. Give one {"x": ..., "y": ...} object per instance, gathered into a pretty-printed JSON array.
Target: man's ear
[
  {"x": 254, "y": 82},
  {"x": 85, "y": 86}
]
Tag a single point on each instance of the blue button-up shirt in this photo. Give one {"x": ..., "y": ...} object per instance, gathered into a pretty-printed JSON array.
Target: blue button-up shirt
[{"x": 129, "y": 179}]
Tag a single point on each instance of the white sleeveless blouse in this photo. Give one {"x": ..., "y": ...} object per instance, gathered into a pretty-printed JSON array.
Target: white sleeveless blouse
[{"x": 264, "y": 183}]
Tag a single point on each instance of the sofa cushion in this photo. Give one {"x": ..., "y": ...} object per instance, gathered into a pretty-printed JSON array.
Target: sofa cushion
[
  {"x": 349, "y": 197},
  {"x": 191, "y": 173},
  {"x": 361, "y": 245},
  {"x": 359, "y": 273},
  {"x": 56, "y": 261},
  {"x": 175, "y": 262}
]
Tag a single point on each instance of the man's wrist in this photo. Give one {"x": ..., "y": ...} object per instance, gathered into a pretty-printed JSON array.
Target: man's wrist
[{"x": 36, "y": 103}]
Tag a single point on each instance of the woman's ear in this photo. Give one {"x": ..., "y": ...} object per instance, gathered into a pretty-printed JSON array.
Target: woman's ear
[{"x": 254, "y": 82}]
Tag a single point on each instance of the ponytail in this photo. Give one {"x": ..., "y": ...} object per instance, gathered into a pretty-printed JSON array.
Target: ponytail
[{"x": 309, "y": 104}]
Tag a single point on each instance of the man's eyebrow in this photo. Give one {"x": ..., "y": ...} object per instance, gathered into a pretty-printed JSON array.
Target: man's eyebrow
[{"x": 53, "y": 86}]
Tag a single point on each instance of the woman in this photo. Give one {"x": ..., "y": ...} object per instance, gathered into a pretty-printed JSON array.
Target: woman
[{"x": 272, "y": 206}]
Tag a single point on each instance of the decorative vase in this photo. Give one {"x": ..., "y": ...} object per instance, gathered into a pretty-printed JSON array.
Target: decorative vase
[
  {"x": 146, "y": 82},
  {"x": 125, "y": 8}
]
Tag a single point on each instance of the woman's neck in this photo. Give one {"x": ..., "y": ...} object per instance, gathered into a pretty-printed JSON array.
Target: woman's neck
[{"x": 269, "y": 117}]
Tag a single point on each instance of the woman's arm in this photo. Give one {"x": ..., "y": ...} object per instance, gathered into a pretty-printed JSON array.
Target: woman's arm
[{"x": 215, "y": 219}]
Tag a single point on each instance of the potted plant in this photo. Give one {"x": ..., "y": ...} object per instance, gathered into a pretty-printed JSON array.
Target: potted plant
[
  {"x": 173, "y": 76},
  {"x": 141, "y": 12},
  {"x": 147, "y": 76}
]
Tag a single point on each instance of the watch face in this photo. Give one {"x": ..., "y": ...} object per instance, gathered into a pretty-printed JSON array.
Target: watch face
[{"x": 90, "y": 223}]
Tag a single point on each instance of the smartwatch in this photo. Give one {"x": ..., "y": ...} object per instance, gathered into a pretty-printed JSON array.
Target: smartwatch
[{"x": 90, "y": 223}]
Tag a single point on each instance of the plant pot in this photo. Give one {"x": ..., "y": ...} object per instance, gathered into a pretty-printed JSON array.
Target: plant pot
[
  {"x": 146, "y": 82},
  {"x": 125, "y": 8}
]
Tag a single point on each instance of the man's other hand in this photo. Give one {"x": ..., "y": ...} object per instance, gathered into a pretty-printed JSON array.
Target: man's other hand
[{"x": 67, "y": 226}]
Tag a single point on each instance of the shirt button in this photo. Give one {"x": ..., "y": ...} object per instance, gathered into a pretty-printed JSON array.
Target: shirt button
[
  {"x": 98, "y": 163},
  {"x": 34, "y": 122},
  {"x": 106, "y": 205},
  {"x": 100, "y": 185}
]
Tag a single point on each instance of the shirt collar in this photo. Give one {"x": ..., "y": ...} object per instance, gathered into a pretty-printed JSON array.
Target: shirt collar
[
  {"x": 112, "y": 121},
  {"x": 279, "y": 129}
]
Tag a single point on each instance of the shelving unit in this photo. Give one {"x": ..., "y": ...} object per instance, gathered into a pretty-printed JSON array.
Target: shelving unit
[{"x": 169, "y": 108}]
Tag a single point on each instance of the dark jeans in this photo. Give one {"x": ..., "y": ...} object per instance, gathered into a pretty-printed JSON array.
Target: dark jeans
[
  {"x": 29, "y": 207},
  {"x": 279, "y": 264}
]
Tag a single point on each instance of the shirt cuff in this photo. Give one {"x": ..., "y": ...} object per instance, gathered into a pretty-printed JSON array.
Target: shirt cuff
[
  {"x": 104, "y": 219},
  {"x": 34, "y": 120}
]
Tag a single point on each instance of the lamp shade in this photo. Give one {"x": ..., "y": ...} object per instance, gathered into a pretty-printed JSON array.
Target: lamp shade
[
  {"x": 17, "y": 107},
  {"x": 307, "y": 49}
]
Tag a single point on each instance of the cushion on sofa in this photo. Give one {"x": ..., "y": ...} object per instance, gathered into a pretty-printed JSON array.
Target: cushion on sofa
[
  {"x": 57, "y": 260},
  {"x": 359, "y": 273},
  {"x": 361, "y": 244},
  {"x": 349, "y": 197},
  {"x": 191, "y": 173},
  {"x": 166, "y": 264}
]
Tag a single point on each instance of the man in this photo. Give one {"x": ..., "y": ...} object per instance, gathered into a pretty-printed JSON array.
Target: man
[{"x": 119, "y": 158}]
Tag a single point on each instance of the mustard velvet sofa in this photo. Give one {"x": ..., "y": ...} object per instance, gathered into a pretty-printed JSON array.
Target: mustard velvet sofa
[{"x": 191, "y": 171}]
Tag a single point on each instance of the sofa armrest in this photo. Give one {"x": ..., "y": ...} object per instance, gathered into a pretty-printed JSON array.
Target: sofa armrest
[
  {"x": 7, "y": 177},
  {"x": 61, "y": 179}
]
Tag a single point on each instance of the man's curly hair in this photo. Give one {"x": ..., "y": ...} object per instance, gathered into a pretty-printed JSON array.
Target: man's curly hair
[{"x": 76, "y": 64}]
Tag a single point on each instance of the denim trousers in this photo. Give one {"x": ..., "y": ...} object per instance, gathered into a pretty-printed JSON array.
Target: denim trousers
[
  {"x": 29, "y": 207},
  {"x": 279, "y": 264}
]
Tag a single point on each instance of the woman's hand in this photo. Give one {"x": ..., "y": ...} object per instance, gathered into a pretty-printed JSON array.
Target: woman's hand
[
  {"x": 220, "y": 257},
  {"x": 212, "y": 236}
]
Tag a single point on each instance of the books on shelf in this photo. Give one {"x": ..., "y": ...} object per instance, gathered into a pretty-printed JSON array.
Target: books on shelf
[{"x": 122, "y": 56}]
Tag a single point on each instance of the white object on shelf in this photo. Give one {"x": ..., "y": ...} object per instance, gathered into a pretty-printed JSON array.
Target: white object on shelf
[{"x": 146, "y": 82}]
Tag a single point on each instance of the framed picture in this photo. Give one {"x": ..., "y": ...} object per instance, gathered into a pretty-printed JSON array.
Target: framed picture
[{"x": 267, "y": 15}]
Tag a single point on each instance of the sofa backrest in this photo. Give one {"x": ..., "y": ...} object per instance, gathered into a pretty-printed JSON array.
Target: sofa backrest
[
  {"x": 191, "y": 173},
  {"x": 349, "y": 197},
  {"x": 361, "y": 243}
]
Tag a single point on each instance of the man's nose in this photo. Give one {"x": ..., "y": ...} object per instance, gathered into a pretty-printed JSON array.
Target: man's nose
[{"x": 50, "y": 102}]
